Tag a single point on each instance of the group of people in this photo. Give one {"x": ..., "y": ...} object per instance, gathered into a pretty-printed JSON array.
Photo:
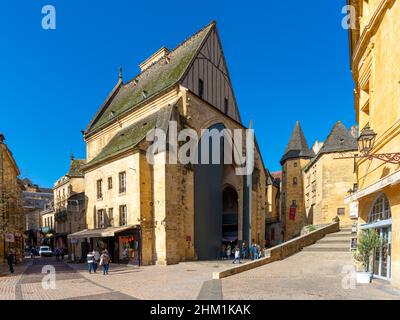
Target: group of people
[
  {"x": 60, "y": 253},
  {"x": 240, "y": 253},
  {"x": 94, "y": 259}
]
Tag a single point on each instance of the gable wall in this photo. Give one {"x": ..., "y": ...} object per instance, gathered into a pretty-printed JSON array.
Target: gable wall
[{"x": 210, "y": 66}]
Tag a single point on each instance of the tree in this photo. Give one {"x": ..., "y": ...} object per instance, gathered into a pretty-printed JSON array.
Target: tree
[{"x": 366, "y": 244}]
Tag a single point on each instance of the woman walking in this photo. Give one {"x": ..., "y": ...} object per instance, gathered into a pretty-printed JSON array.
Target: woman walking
[{"x": 105, "y": 261}]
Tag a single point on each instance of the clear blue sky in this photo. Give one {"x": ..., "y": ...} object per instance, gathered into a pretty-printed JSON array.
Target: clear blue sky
[{"x": 288, "y": 61}]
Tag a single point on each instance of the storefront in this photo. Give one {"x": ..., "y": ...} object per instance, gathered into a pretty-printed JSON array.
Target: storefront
[
  {"x": 122, "y": 243},
  {"x": 129, "y": 246},
  {"x": 380, "y": 220}
]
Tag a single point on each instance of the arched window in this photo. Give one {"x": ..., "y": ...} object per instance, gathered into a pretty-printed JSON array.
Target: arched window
[{"x": 380, "y": 210}]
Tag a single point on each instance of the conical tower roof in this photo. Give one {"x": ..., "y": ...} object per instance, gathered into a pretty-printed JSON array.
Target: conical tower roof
[
  {"x": 297, "y": 146},
  {"x": 339, "y": 140}
]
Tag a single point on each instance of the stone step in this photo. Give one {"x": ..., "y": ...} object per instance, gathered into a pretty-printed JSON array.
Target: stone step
[
  {"x": 334, "y": 240},
  {"x": 329, "y": 244},
  {"x": 340, "y": 235},
  {"x": 327, "y": 249}
]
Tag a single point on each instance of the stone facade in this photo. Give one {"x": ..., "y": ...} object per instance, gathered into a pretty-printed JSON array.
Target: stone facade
[
  {"x": 297, "y": 156},
  {"x": 329, "y": 177},
  {"x": 11, "y": 213},
  {"x": 316, "y": 181},
  {"x": 69, "y": 209},
  {"x": 160, "y": 196},
  {"x": 375, "y": 52}
]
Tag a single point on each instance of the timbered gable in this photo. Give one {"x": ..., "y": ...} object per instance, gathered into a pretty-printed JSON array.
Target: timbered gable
[{"x": 208, "y": 77}]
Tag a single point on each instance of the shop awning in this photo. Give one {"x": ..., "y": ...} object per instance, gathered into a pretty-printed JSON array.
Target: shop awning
[
  {"x": 98, "y": 233},
  {"x": 393, "y": 179}
]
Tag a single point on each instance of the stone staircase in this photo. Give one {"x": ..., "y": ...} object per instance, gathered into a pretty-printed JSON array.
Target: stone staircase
[{"x": 334, "y": 242}]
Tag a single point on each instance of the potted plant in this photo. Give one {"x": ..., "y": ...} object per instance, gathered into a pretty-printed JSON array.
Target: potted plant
[{"x": 366, "y": 244}]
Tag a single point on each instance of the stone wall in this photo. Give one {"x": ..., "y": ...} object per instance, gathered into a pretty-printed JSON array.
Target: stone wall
[{"x": 281, "y": 251}]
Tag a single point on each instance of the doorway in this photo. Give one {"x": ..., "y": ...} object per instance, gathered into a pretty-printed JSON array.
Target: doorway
[
  {"x": 230, "y": 218},
  {"x": 381, "y": 257}
]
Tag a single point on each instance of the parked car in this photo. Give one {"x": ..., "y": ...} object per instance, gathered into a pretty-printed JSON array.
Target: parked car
[{"x": 45, "y": 251}]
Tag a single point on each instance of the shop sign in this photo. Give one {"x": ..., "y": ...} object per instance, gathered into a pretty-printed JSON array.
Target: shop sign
[
  {"x": 354, "y": 209},
  {"x": 9, "y": 237}
]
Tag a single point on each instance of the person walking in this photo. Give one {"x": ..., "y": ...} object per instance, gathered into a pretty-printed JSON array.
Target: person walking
[
  {"x": 237, "y": 255},
  {"x": 255, "y": 251},
  {"x": 62, "y": 253},
  {"x": 33, "y": 253},
  {"x": 10, "y": 260},
  {"x": 228, "y": 252},
  {"x": 105, "y": 261},
  {"x": 90, "y": 261},
  {"x": 57, "y": 253},
  {"x": 223, "y": 252},
  {"x": 96, "y": 255},
  {"x": 244, "y": 251}
]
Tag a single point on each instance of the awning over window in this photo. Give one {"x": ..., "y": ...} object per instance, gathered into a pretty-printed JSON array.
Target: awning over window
[
  {"x": 377, "y": 186},
  {"x": 98, "y": 233}
]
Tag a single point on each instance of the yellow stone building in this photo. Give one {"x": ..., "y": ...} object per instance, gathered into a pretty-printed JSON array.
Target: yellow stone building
[
  {"x": 315, "y": 181},
  {"x": 328, "y": 178},
  {"x": 69, "y": 208},
  {"x": 375, "y": 56},
  {"x": 273, "y": 220},
  {"x": 11, "y": 213},
  {"x": 161, "y": 212},
  {"x": 297, "y": 155}
]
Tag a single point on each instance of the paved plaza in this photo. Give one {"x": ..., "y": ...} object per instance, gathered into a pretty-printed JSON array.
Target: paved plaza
[{"x": 306, "y": 275}]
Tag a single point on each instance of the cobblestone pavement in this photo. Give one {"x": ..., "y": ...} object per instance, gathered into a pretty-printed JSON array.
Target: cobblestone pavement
[
  {"x": 306, "y": 275},
  {"x": 73, "y": 281},
  {"x": 184, "y": 281}
]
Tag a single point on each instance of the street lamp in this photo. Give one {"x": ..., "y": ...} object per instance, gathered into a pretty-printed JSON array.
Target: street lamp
[{"x": 366, "y": 141}]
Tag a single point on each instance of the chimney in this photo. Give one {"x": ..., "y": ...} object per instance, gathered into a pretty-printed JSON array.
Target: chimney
[
  {"x": 161, "y": 53},
  {"x": 317, "y": 146}
]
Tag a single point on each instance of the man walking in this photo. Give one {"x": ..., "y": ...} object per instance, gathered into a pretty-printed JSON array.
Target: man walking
[
  {"x": 244, "y": 251},
  {"x": 96, "y": 255},
  {"x": 90, "y": 261},
  {"x": 10, "y": 260},
  {"x": 237, "y": 255}
]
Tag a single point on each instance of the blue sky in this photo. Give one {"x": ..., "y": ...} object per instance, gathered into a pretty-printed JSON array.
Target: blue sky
[{"x": 288, "y": 61}]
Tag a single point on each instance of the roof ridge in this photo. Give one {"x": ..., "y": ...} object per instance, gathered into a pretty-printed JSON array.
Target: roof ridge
[
  {"x": 170, "y": 52},
  {"x": 297, "y": 146}
]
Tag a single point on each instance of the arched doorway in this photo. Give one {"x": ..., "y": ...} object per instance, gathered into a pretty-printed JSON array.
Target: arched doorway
[
  {"x": 230, "y": 218},
  {"x": 380, "y": 220}
]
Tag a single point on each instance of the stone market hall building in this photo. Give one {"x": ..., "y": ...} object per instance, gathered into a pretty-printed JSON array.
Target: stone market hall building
[{"x": 166, "y": 213}]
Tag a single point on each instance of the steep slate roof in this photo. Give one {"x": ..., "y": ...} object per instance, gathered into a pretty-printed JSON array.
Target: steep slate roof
[
  {"x": 76, "y": 168},
  {"x": 131, "y": 136},
  {"x": 297, "y": 146},
  {"x": 338, "y": 140},
  {"x": 162, "y": 75}
]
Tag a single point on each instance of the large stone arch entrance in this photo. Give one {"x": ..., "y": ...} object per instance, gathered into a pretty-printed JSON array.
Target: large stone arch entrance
[{"x": 230, "y": 217}]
